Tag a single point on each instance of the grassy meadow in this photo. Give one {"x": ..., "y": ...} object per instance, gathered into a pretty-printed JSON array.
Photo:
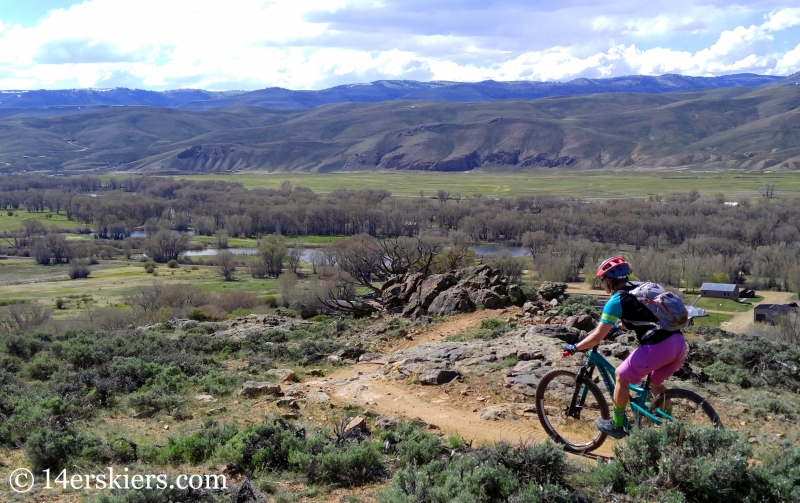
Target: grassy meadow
[{"x": 585, "y": 184}]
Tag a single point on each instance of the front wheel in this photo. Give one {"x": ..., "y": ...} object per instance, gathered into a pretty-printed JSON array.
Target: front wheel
[
  {"x": 686, "y": 407},
  {"x": 573, "y": 428}
]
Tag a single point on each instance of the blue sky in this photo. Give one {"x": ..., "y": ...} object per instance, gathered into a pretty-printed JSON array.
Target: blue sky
[{"x": 313, "y": 44}]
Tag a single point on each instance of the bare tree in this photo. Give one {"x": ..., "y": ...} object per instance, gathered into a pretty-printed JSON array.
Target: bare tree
[
  {"x": 24, "y": 316},
  {"x": 286, "y": 284},
  {"x": 273, "y": 253},
  {"x": 293, "y": 259},
  {"x": 767, "y": 190},
  {"x": 166, "y": 245},
  {"x": 317, "y": 259},
  {"x": 536, "y": 241},
  {"x": 226, "y": 262}
]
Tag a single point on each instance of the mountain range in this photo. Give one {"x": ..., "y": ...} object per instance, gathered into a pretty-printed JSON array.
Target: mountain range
[{"x": 739, "y": 121}]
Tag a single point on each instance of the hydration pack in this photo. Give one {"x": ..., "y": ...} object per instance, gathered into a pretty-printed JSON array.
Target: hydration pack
[{"x": 666, "y": 306}]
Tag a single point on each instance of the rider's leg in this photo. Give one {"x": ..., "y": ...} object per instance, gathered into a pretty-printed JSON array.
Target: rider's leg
[
  {"x": 675, "y": 345},
  {"x": 622, "y": 395}
]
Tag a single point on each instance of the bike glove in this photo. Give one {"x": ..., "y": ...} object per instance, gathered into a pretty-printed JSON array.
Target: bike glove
[{"x": 571, "y": 349}]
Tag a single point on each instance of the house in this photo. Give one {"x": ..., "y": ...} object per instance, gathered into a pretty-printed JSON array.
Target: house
[
  {"x": 765, "y": 313},
  {"x": 720, "y": 291}
]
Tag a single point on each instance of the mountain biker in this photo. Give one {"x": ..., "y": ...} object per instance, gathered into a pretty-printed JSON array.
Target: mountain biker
[{"x": 661, "y": 352}]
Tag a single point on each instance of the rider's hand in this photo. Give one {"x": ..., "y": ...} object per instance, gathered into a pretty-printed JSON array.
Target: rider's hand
[
  {"x": 570, "y": 350},
  {"x": 615, "y": 328}
]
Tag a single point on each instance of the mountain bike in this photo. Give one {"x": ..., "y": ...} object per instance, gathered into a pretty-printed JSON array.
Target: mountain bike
[{"x": 568, "y": 403}]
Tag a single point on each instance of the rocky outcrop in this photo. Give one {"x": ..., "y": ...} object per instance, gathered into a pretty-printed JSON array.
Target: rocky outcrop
[
  {"x": 458, "y": 291},
  {"x": 549, "y": 290},
  {"x": 253, "y": 389}
]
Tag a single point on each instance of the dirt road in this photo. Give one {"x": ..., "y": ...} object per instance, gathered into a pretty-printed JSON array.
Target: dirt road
[
  {"x": 453, "y": 408},
  {"x": 742, "y": 321}
]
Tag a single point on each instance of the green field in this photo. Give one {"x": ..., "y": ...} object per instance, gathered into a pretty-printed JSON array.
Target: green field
[
  {"x": 588, "y": 184},
  {"x": 712, "y": 320},
  {"x": 8, "y": 223},
  {"x": 110, "y": 281},
  {"x": 726, "y": 305}
]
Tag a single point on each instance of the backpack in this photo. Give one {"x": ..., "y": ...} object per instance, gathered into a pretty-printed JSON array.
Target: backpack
[{"x": 666, "y": 306}]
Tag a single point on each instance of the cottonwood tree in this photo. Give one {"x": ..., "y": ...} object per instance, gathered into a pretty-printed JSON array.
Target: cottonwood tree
[
  {"x": 273, "y": 254},
  {"x": 166, "y": 245},
  {"x": 226, "y": 263},
  {"x": 293, "y": 257}
]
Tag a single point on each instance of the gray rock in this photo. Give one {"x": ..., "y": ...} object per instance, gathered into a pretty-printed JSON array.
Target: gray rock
[
  {"x": 568, "y": 335},
  {"x": 432, "y": 286},
  {"x": 524, "y": 389},
  {"x": 334, "y": 360},
  {"x": 205, "y": 398},
  {"x": 318, "y": 396},
  {"x": 554, "y": 302},
  {"x": 357, "y": 423},
  {"x": 438, "y": 377},
  {"x": 454, "y": 300},
  {"x": 581, "y": 322},
  {"x": 551, "y": 290},
  {"x": 529, "y": 354},
  {"x": 526, "y": 379},
  {"x": 495, "y": 412},
  {"x": 255, "y": 388},
  {"x": 530, "y": 308},
  {"x": 386, "y": 423},
  {"x": 487, "y": 298},
  {"x": 283, "y": 375}
]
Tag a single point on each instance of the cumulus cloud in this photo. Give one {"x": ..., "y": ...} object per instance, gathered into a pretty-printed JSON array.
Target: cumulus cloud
[
  {"x": 85, "y": 51},
  {"x": 302, "y": 44}
]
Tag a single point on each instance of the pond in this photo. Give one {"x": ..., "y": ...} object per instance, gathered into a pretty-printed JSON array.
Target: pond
[{"x": 306, "y": 254}]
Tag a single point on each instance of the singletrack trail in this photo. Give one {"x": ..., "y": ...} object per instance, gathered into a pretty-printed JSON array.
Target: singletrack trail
[{"x": 452, "y": 408}]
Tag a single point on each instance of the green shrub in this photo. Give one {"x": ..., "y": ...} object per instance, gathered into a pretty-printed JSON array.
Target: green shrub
[
  {"x": 262, "y": 447},
  {"x": 173, "y": 264},
  {"x": 271, "y": 301},
  {"x": 414, "y": 446},
  {"x": 217, "y": 384},
  {"x": 199, "y": 315},
  {"x": 79, "y": 269},
  {"x": 578, "y": 304},
  {"x": 492, "y": 323},
  {"x": 349, "y": 465},
  {"x": 41, "y": 367},
  {"x": 56, "y": 449},
  {"x": 197, "y": 447},
  {"x": 702, "y": 464},
  {"x": 59, "y": 303},
  {"x": 320, "y": 318}
]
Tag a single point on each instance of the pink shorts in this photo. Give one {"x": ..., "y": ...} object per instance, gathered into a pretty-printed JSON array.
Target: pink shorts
[{"x": 662, "y": 359}]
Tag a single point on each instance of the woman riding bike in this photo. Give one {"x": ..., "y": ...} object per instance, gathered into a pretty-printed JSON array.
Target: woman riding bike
[{"x": 661, "y": 352}]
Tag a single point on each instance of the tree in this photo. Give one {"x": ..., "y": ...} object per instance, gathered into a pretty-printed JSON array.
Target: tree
[
  {"x": 293, "y": 259},
  {"x": 767, "y": 190},
  {"x": 536, "y": 241},
  {"x": 221, "y": 238},
  {"x": 226, "y": 262},
  {"x": 273, "y": 253},
  {"x": 286, "y": 283},
  {"x": 166, "y": 245}
]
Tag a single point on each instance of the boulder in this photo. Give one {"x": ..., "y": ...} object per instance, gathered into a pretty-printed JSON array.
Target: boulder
[
  {"x": 473, "y": 273},
  {"x": 489, "y": 299},
  {"x": 437, "y": 377},
  {"x": 283, "y": 375},
  {"x": 386, "y": 423},
  {"x": 350, "y": 353},
  {"x": 529, "y": 354},
  {"x": 432, "y": 286},
  {"x": 314, "y": 372},
  {"x": 357, "y": 423},
  {"x": 551, "y": 290},
  {"x": 317, "y": 396},
  {"x": 454, "y": 300},
  {"x": 530, "y": 308},
  {"x": 566, "y": 334},
  {"x": 205, "y": 398},
  {"x": 581, "y": 322},
  {"x": 616, "y": 350},
  {"x": 255, "y": 388},
  {"x": 495, "y": 412}
]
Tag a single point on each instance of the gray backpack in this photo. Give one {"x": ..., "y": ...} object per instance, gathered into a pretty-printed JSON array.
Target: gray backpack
[{"x": 666, "y": 306}]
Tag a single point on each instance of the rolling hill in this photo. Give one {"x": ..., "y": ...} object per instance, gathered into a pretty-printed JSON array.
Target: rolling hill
[
  {"x": 57, "y": 102},
  {"x": 753, "y": 128}
]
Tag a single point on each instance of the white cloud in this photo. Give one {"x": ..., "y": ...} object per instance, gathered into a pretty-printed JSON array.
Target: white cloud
[{"x": 249, "y": 44}]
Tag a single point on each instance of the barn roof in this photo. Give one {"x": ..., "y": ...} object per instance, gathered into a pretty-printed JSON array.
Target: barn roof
[{"x": 719, "y": 287}]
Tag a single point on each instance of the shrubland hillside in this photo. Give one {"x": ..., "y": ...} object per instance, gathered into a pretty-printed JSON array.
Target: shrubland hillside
[{"x": 729, "y": 128}]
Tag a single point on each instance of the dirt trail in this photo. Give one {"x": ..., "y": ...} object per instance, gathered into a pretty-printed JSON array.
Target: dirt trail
[
  {"x": 742, "y": 321},
  {"x": 452, "y": 408}
]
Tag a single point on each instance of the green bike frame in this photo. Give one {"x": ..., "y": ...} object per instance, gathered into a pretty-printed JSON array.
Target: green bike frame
[{"x": 608, "y": 374}]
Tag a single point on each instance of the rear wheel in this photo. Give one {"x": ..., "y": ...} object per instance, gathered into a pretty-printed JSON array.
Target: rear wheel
[
  {"x": 687, "y": 407},
  {"x": 575, "y": 429}
]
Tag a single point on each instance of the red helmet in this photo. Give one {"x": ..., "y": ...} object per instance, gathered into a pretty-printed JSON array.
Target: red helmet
[{"x": 615, "y": 268}]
